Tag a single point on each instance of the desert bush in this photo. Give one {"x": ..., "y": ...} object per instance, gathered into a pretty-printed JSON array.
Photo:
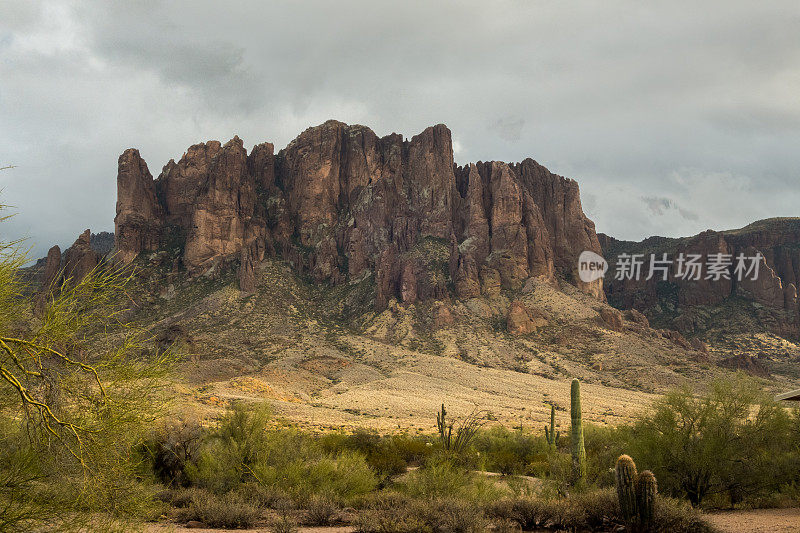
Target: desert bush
[
  {"x": 511, "y": 452},
  {"x": 437, "y": 515},
  {"x": 386, "y": 455},
  {"x": 222, "y": 511},
  {"x": 528, "y": 512},
  {"x": 283, "y": 524},
  {"x": 321, "y": 511},
  {"x": 595, "y": 510},
  {"x": 169, "y": 451},
  {"x": 450, "y": 515},
  {"x": 438, "y": 478},
  {"x": 264, "y": 497},
  {"x": 389, "y": 521},
  {"x": 343, "y": 478},
  {"x": 229, "y": 452},
  {"x": 443, "y": 479},
  {"x": 734, "y": 440},
  {"x": 672, "y": 515}
]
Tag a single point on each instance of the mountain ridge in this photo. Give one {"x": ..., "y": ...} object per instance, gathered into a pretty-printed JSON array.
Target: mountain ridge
[{"x": 338, "y": 202}]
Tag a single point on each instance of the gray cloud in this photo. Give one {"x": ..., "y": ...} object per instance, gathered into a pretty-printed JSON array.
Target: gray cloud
[
  {"x": 660, "y": 206},
  {"x": 509, "y": 128},
  {"x": 694, "y": 103}
]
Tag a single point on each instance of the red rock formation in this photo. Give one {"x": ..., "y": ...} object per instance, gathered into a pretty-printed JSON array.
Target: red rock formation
[
  {"x": 246, "y": 273},
  {"x": 139, "y": 219},
  {"x": 80, "y": 258},
  {"x": 774, "y": 289},
  {"x": 222, "y": 210},
  {"x": 52, "y": 268},
  {"x": 521, "y": 321},
  {"x": 49, "y": 279},
  {"x": 612, "y": 318},
  {"x": 339, "y": 202}
]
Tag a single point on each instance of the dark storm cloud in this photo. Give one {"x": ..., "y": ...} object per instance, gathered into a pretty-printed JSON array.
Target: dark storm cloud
[{"x": 695, "y": 104}]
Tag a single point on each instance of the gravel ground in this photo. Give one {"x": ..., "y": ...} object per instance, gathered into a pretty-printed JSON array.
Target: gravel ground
[{"x": 758, "y": 521}]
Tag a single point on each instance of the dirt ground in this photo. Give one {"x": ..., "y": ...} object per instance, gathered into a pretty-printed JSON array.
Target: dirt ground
[
  {"x": 752, "y": 521},
  {"x": 172, "y": 528},
  {"x": 758, "y": 521}
]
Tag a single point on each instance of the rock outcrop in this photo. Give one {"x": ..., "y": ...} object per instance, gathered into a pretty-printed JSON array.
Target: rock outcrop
[
  {"x": 521, "y": 321},
  {"x": 774, "y": 290},
  {"x": 80, "y": 258},
  {"x": 139, "y": 221},
  {"x": 339, "y": 202},
  {"x": 50, "y": 274}
]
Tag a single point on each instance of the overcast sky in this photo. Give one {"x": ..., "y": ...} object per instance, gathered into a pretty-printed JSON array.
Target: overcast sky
[{"x": 673, "y": 119}]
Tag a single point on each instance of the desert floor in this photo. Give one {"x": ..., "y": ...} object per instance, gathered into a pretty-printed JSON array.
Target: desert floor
[
  {"x": 758, "y": 520},
  {"x": 752, "y": 521}
]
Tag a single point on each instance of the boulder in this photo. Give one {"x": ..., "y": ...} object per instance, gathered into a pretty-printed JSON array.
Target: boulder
[
  {"x": 612, "y": 318},
  {"x": 522, "y": 321}
]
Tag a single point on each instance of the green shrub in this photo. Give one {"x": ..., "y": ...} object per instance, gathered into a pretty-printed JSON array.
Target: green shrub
[
  {"x": 443, "y": 479},
  {"x": 510, "y": 452},
  {"x": 677, "y": 516},
  {"x": 438, "y": 515},
  {"x": 734, "y": 440},
  {"x": 228, "y": 453},
  {"x": 218, "y": 468},
  {"x": 342, "y": 479},
  {"x": 227, "y": 511},
  {"x": 283, "y": 524},
  {"x": 264, "y": 497},
  {"x": 387, "y": 456},
  {"x": 436, "y": 479},
  {"x": 450, "y": 515}
]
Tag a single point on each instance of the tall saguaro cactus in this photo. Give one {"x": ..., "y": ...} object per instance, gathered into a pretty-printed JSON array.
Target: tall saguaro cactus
[
  {"x": 578, "y": 449},
  {"x": 550, "y": 434}
]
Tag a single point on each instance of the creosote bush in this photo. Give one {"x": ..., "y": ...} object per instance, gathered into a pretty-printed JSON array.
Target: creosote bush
[{"x": 229, "y": 510}]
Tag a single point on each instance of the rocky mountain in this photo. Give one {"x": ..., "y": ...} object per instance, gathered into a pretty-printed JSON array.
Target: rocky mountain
[
  {"x": 340, "y": 203},
  {"x": 357, "y": 280},
  {"x": 769, "y": 298}
]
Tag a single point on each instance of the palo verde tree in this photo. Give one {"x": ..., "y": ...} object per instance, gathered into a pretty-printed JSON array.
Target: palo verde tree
[
  {"x": 78, "y": 385},
  {"x": 733, "y": 441}
]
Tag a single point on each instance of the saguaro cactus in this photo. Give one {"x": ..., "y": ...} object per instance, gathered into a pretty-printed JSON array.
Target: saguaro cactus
[
  {"x": 578, "y": 449},
  {"x": 625, "y": 475},
  {"x": 552, "y": 435},
  {"x": 445, "y": 429},
  {"x": 646, "y": 489}
]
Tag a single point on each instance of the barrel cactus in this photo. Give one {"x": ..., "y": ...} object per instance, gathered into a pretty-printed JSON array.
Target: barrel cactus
[
  {"x": 646, "y": 489},
  {"x": 578, "y": 448},
  {"x": 625, "y": 475}
]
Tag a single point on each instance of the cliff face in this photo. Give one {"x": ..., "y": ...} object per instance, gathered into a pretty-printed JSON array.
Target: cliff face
[
  {"x": 339, "y": 202},
  {"x": 774, "y": 291}
]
